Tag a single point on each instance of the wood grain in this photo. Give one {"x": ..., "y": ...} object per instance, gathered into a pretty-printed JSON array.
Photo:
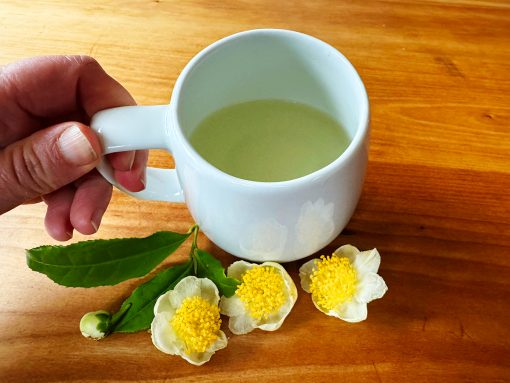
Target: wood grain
[{"x": 436, "y": 200}]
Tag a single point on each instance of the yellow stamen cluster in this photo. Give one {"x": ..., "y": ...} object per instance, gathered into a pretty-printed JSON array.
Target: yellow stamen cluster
[
  {"x": 197, "y": 324},
  {"x": 333, "y": 282},
  {"x": 262, "y": 291}
]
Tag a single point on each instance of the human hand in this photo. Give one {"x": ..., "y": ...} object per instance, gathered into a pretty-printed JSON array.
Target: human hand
[{"x": 47, "y": 151}]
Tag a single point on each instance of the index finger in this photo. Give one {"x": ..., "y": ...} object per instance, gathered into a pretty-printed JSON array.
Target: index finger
[{"x": 52, "y": 87}]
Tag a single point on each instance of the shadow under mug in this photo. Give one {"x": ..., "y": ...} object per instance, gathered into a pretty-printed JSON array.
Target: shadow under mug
[{"x": 259, "y": 221}]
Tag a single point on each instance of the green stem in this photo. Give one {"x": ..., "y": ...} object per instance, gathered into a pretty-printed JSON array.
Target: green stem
[
  {"x": 195, "y": 237},
  {"x": 117, "y": 317},
  {"x": 194, "y": 247},
  {"x": 192, "y": 229}
]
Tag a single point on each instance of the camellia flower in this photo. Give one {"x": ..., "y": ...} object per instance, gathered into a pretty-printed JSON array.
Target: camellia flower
[
  {"x": 262, "y": 300},
  {"x": 187, "y": 321},
  {"x": 342, "y": 284}
]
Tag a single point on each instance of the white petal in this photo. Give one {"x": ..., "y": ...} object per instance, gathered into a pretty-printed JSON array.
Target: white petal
[
  {"x": 367, "y": 261},
  {"x": 163, "y": 335},
  {"x": 232, "y": 306},
  {"x": 371, "y": 286},
  {"x": 305, "y": 271},
  {"x": 163, "y": 304},
  {"x": 238, "y": 268},
  {"x": 241, "y": 324},
  {"x": 209, "y": 291},
  {"x": 348, "y": 251},
  {"x": 220, "y": 343},
  {"x": 321, "y": 309},
  {"x": 276, "y": 321},
  {"x": 289, "y": 283},
  {"x": 351, "y": 312},
  {"x": 273, "y": 326},
  {"x": 199, "y": 358},
  {"x": 187, "y": 287}
]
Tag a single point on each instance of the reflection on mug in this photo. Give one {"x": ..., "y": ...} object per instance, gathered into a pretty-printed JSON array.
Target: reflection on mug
[
  {"x": 267, "y": 240},
  {"x": 315, "y": 225},
  {"x": 264, "y": 241}
]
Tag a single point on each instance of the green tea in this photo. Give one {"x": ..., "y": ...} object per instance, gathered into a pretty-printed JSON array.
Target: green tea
[{"x": 269, "y": 140}]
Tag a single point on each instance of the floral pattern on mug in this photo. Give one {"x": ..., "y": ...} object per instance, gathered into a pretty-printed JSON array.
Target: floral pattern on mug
[
  {"x": 263, "y": 300},
  {"x": 187, "y": 321},
  {"x": 344, "y": 283}
]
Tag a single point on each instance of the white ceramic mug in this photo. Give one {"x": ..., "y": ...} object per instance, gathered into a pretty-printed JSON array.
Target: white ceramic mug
[{"x": 259, "y": 221}]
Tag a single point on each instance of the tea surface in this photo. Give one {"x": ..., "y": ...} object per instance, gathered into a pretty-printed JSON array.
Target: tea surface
[{"x": 269, "y": 140}]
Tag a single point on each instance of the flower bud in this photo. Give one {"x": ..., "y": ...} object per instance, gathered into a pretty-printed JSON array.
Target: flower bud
[{"x": 95, "y": 324}]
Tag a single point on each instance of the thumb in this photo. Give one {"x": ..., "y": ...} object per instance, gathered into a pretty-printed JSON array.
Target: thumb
[{"x": 46, "y": 161}]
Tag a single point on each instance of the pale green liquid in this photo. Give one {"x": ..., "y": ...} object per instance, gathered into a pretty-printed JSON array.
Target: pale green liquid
[{"x": 269, "y": 140}]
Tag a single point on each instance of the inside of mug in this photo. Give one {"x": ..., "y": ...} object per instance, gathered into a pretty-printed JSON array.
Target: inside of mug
[{"x": 272, "y": 64}]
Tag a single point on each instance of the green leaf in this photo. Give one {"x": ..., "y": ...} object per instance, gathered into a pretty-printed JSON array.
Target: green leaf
[
  {"x": 103, "y": 262},
  {"x": 209, "y": 267},
  {"x": 137, "y": 311}
]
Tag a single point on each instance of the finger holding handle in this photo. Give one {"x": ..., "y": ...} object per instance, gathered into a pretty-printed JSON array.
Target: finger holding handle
[{"x": 137, "y": 128}]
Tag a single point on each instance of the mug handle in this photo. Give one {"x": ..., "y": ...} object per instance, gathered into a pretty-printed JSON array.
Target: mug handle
[{"x": 133, "y": 128}]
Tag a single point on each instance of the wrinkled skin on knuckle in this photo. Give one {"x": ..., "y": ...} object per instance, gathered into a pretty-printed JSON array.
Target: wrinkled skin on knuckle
[
  {"x": 38, "y": 162},
  {"x": 26, "y": 172},
  {"x": 11, "y": 178}
]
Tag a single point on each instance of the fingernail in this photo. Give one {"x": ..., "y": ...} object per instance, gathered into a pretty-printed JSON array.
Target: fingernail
[
  {"x": 143, "y": 179},
  {"x": 96, "y": 219},
  {"x": 131, "y": 160},
  {"x": 75, "y": 147}
]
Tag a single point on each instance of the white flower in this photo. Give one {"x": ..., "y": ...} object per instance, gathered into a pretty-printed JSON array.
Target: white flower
[
  {"x": 187, "y": 321},
  {"x": 262, "y": 300},
  {"x": 342, "y": 284},
  {"x": 95, "y": 324}
]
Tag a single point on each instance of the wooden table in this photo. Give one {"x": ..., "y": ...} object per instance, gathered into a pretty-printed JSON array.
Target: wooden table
[{"x": 436, "y": 201}]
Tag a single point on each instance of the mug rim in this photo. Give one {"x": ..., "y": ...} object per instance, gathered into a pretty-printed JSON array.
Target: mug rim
[{"x": 358, "y": 139}]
